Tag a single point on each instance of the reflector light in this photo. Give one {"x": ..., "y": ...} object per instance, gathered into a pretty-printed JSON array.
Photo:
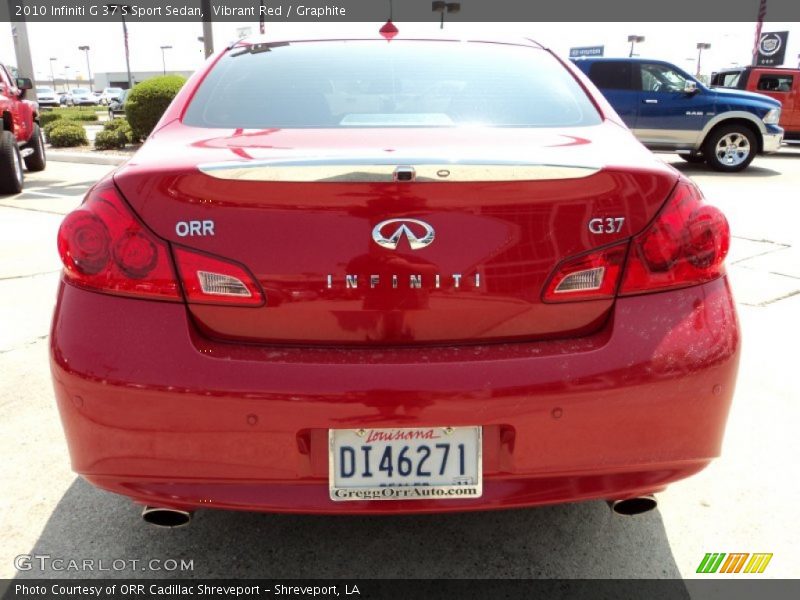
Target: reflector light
[
  {"x": 592, "y": 276},
  {"x": 590, "y": 279},
  {"x": 222, "y": 285},
  {"x": 210, "y": 279}
]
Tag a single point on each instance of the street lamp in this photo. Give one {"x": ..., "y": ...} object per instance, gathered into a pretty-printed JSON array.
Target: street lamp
[
  {"x": 52, "y": 75},
  {"x": 634, "y": 39},
  {"x": 123, "y": 10},
  {"x": 88, "y": 67},
  {"x": 445, "y": 7},
  {"x": 700, "y": 47},
  {"x": 66, "y": 76},
  {"x": 164, "y": 60}
]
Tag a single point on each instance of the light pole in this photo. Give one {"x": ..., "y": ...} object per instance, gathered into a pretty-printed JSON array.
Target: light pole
[
  {"x": 52, "y": 75},
  {"x": 66, "y": 76},
  {"x": 164, "y": 60},
  {"x": 634, "y": 39},
  {"x": 445, "y": 7},
  {"x": 88, "y": 67},
  {"x": 700, "y": 47},
  {"x": 123, "y": 10}
]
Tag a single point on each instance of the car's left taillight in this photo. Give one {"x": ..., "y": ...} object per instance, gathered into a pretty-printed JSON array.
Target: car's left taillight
[{"x": 105, "y": 247}]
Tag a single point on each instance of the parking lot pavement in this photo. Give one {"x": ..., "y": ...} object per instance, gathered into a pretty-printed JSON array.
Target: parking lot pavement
[{"x": 744, "y": 502}]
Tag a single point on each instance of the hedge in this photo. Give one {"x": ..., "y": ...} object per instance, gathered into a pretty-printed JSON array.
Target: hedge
[
  {"x": 48, "y": 117},
  {"x": 77, "y": 114},
  {"x": 148, "y": 100},
  {"x": 110, "y": 139},
  {"x": 68, "y": 134},
  {"x": 46, "y": 129}
]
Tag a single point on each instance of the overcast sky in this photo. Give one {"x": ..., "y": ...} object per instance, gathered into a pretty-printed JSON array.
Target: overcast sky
[{"x": 731, "y": 43}]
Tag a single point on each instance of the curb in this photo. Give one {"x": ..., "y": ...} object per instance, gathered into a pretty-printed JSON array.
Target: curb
[{"x": 85, "y": 158}]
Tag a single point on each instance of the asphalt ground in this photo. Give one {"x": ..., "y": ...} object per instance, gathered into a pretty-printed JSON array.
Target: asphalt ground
[{"x": 744, "y": 502}]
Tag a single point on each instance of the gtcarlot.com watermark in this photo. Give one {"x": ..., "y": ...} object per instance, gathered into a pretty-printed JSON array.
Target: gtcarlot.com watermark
[{"x": 46, "y": 562}]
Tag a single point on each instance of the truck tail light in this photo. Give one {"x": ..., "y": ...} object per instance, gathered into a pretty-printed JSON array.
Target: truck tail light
[{"x": 105, "y": 247}]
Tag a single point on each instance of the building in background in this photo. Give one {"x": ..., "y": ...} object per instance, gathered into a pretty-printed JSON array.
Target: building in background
[{"x": 103, "y": 80}]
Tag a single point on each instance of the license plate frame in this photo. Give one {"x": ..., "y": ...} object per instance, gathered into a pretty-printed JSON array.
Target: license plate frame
[{"x": 408, "y": 487}]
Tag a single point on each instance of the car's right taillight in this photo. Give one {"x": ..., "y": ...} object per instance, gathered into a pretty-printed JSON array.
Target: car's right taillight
[{"x": 685, "y": 245}]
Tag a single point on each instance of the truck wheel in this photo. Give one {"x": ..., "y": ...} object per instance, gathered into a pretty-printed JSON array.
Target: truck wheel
[
  {"x": 695, "y": 159},
  {"x": 10, "y": 164},
  {"x": 730, "y": 148},
  {"x": 36, "y": 161}
]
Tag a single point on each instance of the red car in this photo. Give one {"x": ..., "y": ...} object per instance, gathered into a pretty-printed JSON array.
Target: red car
[{"x": 371, "y": 276}]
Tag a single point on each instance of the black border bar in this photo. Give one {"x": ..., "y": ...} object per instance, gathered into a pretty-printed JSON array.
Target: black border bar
[{"x": 377, "y": 11}]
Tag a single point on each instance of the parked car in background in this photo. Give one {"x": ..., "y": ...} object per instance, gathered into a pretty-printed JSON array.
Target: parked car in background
[
  {"x": 109, "y": 94},
  {"x": 668, "y": 109},
  {"x": 46, "y": 96},
  {"x": 780, "y": 84},
  {"x": 65, "y": 98},
  {"x": 347, "y": 276},
  {"x": 117, "y": 106},
  {"x": 83, "y": 97},
  {"x": 21, "y": 141}
]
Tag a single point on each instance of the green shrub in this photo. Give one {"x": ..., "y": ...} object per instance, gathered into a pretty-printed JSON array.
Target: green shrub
[
  {"x": 118, "y": 125},
  {"x": 46, "y": 129},
  {"x": 77, "y": 113},
  {"x": 147, "y": 102},
  {"x": 48, "y": 117},
  {"x": 68, "y": 134},
  {"x": 110, "y": 139}
]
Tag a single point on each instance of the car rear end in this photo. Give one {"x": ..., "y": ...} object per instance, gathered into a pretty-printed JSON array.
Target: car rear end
[{"x": 372, "y": 282}]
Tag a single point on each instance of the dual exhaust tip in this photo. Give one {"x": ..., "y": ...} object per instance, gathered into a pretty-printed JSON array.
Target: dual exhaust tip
[{"x": 172, "y": 518}]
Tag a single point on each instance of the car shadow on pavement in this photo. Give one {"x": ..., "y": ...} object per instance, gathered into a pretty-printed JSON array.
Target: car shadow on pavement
[
  {"x": 584, "y": 540},
  {"x": 703, "y": 169}
]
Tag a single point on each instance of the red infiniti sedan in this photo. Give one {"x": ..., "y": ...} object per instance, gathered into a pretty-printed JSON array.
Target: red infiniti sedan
[{"x": 371, "y": 276}]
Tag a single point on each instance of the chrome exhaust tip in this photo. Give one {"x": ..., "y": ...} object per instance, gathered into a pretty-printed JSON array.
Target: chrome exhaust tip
[
  {"x": 166, "y": 517},
  {"x": 634, "y": 506}
]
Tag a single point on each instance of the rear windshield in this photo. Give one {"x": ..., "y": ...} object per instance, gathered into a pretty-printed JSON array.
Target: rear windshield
[{"x": 397, "y": 84}]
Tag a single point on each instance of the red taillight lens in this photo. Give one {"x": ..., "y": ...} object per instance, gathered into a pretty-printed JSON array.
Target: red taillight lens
[
  {"x": 103, "y": 246},
  {"x": 685, "y": 245},
  {"x": 588, "y": 277},
  {"x": 210, "y": 280}
]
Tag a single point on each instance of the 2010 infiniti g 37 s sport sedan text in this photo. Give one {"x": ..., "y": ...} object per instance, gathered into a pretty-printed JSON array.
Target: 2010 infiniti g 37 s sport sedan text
[{"x": 363, "y": 276}]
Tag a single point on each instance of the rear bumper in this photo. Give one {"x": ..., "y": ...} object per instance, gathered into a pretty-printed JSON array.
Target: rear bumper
[{"x": 156, "y": 412}]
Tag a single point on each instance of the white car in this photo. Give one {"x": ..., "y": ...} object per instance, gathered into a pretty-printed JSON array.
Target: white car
[
  {"x": 46, "y": 96},
  {"x": 83, "y": 97},
  {"x": 109, "y": 94}
]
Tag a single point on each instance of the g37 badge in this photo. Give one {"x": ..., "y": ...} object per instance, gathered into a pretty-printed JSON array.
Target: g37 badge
[{"x": 606, "y": 225}]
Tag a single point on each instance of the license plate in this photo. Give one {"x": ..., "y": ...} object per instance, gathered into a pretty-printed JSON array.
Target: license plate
[{"x": 429, "y": 463}]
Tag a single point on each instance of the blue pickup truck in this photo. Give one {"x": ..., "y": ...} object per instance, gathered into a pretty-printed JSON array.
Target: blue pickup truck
[{"x": 668, "y": 109}]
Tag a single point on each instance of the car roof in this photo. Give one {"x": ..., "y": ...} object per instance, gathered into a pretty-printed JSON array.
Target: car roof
[{"x": 373, "y": 34}]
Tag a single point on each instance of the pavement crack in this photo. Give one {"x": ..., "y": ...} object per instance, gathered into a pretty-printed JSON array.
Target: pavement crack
[
  {"x": 31, "y": 342},
  {"x": 29, "y": 275}
]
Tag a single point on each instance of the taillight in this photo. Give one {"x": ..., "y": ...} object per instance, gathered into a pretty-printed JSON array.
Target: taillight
[
  {"x": 587, "y": 277},
  {"x": 103, "y": 246},
  {"x": 685, "y": 245},
  {"x": 208, "y": 279}
]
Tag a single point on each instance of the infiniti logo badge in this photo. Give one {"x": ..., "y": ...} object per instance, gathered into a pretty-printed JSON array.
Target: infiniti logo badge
[{"x": 418, "y": 233}]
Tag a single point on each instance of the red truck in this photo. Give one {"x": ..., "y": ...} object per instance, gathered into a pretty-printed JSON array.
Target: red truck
[
  {"x": 779, "y": 83},
  {"x": 20, "y": 136}
]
